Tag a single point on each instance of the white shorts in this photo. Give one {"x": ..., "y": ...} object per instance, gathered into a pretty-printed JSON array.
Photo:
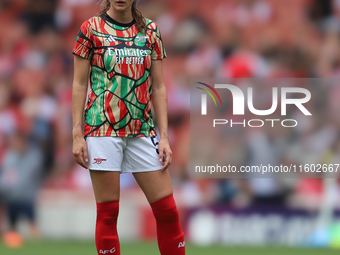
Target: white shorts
[{"x": 123, "y": 154}]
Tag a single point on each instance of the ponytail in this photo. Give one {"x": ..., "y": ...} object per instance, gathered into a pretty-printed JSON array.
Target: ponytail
[
  {"x": 104, "y": 6},
  {"x": 136, "y": 14}
]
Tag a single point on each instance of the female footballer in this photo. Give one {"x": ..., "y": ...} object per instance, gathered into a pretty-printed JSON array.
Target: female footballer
[{"x": 125, "y": 52}]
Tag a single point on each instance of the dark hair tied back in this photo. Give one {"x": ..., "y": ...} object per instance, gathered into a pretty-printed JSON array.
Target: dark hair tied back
[{"x": 136, "y": 14}]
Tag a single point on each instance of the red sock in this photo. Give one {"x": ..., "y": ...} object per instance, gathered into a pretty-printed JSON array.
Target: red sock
[
  {"x": 169, "y": 232},
  {"x": 107, "y": 241}
]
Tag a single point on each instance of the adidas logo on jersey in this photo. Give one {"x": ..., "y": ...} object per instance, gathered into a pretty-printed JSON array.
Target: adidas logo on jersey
[
  {"x": 110, "y": 39},
  {"x": 181, "y": 244}
]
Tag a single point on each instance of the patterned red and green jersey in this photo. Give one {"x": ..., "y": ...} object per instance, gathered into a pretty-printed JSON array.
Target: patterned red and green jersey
[{"x": 119, "y": 101}]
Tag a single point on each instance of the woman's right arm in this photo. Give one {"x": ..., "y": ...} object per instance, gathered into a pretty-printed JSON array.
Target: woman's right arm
[{"x": 79, "y": 91}]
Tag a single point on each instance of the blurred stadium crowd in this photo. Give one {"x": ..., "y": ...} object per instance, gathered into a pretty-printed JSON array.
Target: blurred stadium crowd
[{"x": 215, "y": 38}]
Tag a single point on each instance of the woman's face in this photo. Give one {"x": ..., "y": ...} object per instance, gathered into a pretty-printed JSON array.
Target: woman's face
[{"x": 121, "y": 5}]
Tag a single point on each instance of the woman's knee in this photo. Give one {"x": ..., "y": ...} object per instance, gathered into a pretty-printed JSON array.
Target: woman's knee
[
  {"x": 107, "y": 212},
  {"x": 165, "y": 209}
]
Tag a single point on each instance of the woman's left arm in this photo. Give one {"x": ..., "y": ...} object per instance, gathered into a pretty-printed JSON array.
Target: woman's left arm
[{"x": 160, "y": 105}]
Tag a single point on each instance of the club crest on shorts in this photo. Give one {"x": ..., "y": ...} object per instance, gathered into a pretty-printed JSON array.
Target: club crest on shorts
[
  {"x": 181, "y": 244},
  {"x": 98, "y": 160}
]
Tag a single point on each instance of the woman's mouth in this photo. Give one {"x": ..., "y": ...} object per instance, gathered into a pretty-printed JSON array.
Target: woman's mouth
[{"x": 120, "y": 3}]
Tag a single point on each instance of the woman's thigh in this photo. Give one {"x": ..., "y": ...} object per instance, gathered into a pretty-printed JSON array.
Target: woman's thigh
[
  {"x": 105, "y": 185},
  {"x": 155, "y": 184}
]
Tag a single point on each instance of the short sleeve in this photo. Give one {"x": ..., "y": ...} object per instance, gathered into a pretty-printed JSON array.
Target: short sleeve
[
  {"x": 84, "y": 41},
  {"x": 158, "y": 51}
]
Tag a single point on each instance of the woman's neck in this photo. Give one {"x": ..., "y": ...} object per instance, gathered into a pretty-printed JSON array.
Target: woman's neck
[{"x": 121, "y": 16}]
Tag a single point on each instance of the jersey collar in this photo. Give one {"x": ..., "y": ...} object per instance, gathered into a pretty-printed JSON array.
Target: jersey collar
[{"x": 111, "y": 20}]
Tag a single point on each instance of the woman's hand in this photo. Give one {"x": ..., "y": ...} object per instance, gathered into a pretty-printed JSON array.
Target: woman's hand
[
  {"x": 164, "y": 148},
  {"x": 80, "y": 151}
]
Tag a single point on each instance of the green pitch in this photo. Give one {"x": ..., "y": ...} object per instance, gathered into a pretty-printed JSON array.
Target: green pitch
[{"x": 86, "y": 248}]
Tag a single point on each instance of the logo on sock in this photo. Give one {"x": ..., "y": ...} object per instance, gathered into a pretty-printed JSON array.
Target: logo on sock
[
  {"x": 181, "y": 244},
  {"x": 113, "y": 250},
  {"x": 98, "y": 160}
]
